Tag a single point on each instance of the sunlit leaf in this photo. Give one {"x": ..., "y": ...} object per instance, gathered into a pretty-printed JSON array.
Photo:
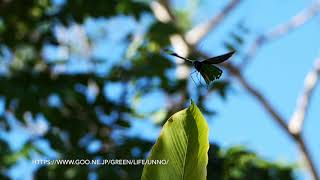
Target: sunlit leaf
[{"x": 184, "y": 143}]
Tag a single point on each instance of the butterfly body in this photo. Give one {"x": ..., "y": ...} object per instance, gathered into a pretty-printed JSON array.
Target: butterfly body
[
  {"x": 208, "y": 71},
  {"x": 197, "y": 65}
]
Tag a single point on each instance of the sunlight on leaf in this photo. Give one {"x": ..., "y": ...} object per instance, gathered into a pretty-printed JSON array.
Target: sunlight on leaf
[{"x": 184, "y": 143}]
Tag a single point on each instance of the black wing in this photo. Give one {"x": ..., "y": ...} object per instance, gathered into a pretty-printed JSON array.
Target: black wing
[
  {"x": 218, "y": 59},
  {"x": 208, "y": 72}
]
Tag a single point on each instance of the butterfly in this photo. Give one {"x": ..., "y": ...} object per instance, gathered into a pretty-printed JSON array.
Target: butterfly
[{"x": 206, "y": 68}]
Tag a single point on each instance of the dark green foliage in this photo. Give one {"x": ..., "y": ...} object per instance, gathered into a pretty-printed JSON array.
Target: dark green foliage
[
  {"x": 80, "y": 9},
  {"x": 159, "y": 33},
  {"x": 32, "y": 22},
  {"x": 25, "y": 22},
  {"x": 156, "y": 65},
  {"x": 121, "y": 151},
  {"x": 237, "y": 163},
  {"x": 4, "y": 155}
]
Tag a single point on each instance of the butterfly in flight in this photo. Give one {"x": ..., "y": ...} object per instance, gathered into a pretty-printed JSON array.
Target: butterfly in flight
[{"x": 206, "y": 67}]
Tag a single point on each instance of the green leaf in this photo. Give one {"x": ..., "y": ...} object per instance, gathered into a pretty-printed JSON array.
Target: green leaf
[
  {"x": 160, "y": 32},
  {"x": 184, "y": 142}
]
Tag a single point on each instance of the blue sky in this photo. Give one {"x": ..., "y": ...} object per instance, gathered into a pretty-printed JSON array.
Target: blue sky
[{"x": 278, "y": 71}]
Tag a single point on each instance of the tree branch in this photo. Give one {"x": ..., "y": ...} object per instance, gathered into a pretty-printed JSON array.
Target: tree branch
[
  {"x": 260, "y": 98},
  {"x": 296, "y": 137},
  {"x": 199, "y": 32},
  {"x": 295, "y": 22},
  {"x": 307, "y": 156},
  {"x": 298, "y": 117}
]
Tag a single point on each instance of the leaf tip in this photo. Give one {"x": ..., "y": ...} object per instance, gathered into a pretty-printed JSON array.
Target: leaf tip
[
  {"x": 192, "y": 106},
  {"x": 192, "y": 103}
]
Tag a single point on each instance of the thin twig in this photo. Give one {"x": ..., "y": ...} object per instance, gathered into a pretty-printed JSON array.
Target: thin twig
[
  {"x": 196, "y": 34},
  {"x": 298, "y": 117}
]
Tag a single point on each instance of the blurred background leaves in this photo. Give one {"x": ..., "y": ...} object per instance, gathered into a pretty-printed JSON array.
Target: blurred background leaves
[{"x": 81, "y": 103}]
